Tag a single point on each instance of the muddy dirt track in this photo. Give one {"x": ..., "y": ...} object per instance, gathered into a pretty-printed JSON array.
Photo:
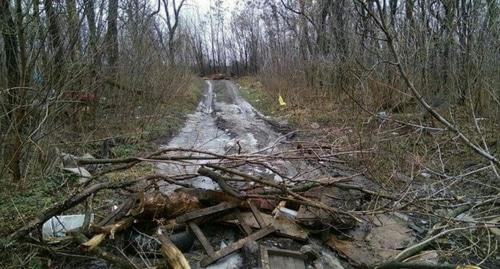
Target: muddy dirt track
[{"x": 225, "y": 123}]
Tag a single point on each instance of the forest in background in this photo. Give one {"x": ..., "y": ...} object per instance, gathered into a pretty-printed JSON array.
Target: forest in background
[
  {"x": 413, "y": 84},
  {"x": 77, "y": 71},
  {"x": 60, "y": 56}
]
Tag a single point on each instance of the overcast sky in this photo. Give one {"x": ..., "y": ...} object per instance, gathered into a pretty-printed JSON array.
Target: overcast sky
[{"x": 203, "y": 6}]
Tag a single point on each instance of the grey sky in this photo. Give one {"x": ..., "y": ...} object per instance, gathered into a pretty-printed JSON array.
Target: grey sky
[{"x": 203, "y": 6}]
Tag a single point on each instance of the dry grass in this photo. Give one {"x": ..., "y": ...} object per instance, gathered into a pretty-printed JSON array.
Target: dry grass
[
  {"x": 149, "y": 119},
  {"x": 400, "y": 157}
]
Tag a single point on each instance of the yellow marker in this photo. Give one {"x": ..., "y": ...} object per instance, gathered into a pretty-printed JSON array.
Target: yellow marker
[
  {"x": 468, "y": 267},
  {"x": 281, "y": 101}
]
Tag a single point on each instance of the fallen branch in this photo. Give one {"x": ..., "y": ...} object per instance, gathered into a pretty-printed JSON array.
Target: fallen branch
[
  {"x": 286, "y": 191},
  {"x": 74, "y": 200},
  {"x": 112, "y": 229},
  {"x": 220, "y": 180},
  {"x": 172, "y": 254},
  {"x": 414, "y": 249}
]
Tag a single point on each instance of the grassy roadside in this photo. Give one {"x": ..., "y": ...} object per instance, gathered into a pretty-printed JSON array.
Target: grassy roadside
[
  {"x": 21, "y": 202},
  {"x": 389, "y": 149},
  {"x": 299, "y": 111},
  {"x": 253, "y": 91}
]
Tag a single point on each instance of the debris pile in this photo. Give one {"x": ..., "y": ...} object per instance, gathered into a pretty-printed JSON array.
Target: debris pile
[{"x": 251, "y": 220}]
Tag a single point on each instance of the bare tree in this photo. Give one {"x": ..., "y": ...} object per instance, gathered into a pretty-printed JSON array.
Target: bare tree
[
  {"x": 9, "y": 34},
  {"x": 172, "y": 11}
]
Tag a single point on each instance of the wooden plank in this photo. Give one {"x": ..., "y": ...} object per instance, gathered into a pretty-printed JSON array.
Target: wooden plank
[
  {"x": 286, "y": 252},
  {"x": 285, "y": 259},
  {"x": 242, "y": 222},
  {"x": 285, "y": 227},
  {"x": 204, "y": 212},
  {"x": 280, "y": 262},
  {"x": 236, "y": 245},
  {"x": 275, "y": 258},
  {"x": 264, "y": 258},
  {"x": 202, "y": 238},
  {"x": 256, "y": 214}
]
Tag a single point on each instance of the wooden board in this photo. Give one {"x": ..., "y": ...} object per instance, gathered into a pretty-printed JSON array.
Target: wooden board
[
  {"x": 284, "y": 226},
  {"x": 236, "y": 245},
  {"x": 256, "y": 213},
  {"x": 205, "y": 212},
  {"x": 242, "y": 222},
  {"x": 273, "y": 258},
  {"x": 202, "y": 238}
]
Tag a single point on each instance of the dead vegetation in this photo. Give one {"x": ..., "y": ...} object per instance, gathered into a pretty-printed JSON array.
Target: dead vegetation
[
  {"x": 362, "y": 221},
  {"x": 396, "y": 103}
]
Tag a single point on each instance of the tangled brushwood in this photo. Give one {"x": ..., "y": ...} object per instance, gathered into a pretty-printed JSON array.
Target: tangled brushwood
[{"x": 302, "y": 194}]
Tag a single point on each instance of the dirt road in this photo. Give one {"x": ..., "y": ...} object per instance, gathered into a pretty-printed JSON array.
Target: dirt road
[{"x": 225, "y": 123}]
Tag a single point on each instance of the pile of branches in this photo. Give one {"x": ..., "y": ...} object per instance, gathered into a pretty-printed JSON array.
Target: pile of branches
[{"x": 237, "y": 183}]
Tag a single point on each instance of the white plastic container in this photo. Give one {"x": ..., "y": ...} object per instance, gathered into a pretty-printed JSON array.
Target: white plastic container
[{"x": 57, "y": 226}]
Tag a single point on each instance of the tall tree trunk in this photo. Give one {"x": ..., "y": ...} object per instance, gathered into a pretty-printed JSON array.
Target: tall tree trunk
[
  {"x": 73, "y": 30},
  {"x": 57, "y": 46},
  {"x": 409, "y": 13},
  {"x": 90, "y": 14},
  {"x": 449, "y": 7},
  {"x": 8, "y": 29},
  {"x": 23, "y": 60},
  {"x": 393, "y": 6},
  {"x": 173, "y": 23},
  {"x": 112, "y": 34}
]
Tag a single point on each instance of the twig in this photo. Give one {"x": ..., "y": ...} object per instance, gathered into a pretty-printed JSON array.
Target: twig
[
  {"x": 404, "y": 265},
  {"x": 414, "y": 249},
  {"x": 73, "y": 201},
  {"x": 283, "y": 188}
]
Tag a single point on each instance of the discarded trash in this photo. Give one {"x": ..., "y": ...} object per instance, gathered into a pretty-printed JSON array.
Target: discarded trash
[
  {"x": 281, "y": 101},
  {"x": 382, "y": 115},
  {"x": 282, "y": 210},
  {"x": 58, "y": 226},
  {"x": 467, "y": 219},
  {"x": 80, "y": 171}
]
